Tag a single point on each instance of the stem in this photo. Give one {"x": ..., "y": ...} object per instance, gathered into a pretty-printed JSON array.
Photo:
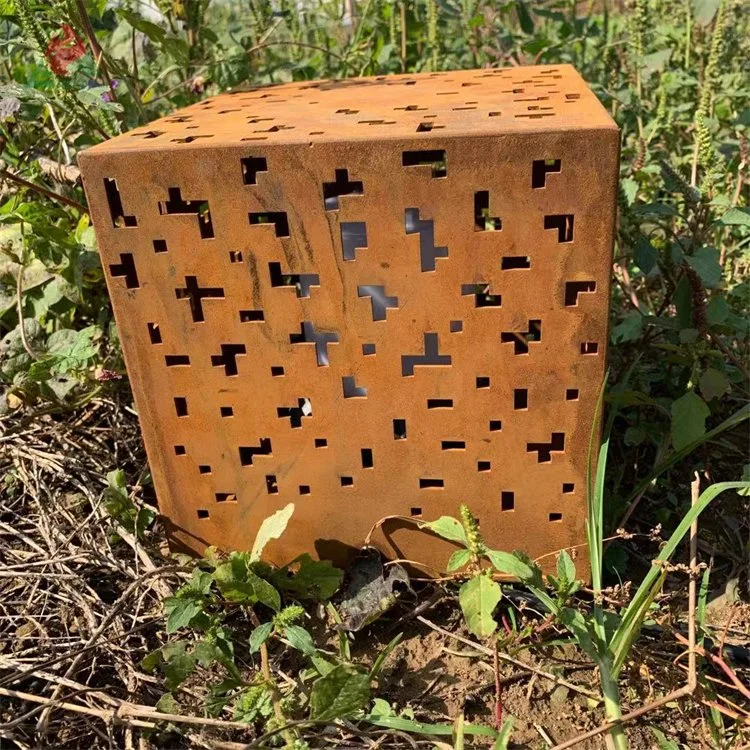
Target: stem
[
  {"x": 265, "y": 667},
  {"x": 616, "y": 739},
  {"x": 6, "y": 175},
  {"x": 96, "y": 49}
]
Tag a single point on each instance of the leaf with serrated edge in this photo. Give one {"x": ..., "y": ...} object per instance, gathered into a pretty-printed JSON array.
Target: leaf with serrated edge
[
  {"x": 505, "y": 562},
  {"x": 448, "y": 528},
  {"x": 260, "y": 635},
  {"x": 344, "y": 690},
  {"x": 458, "y": 559},
  {"x": 300, "y": 639}
]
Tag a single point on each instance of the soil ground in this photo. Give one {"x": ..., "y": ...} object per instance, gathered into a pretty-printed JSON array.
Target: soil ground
[{"x": 80, "y": 607}]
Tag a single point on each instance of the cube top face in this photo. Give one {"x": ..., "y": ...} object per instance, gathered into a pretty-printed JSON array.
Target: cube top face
[
  {"x": 436, "y": 105},
  {"x": 367, "y": 330}
]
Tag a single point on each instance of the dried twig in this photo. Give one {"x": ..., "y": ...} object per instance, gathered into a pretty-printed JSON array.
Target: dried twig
[{"x": 509, "y": 659}]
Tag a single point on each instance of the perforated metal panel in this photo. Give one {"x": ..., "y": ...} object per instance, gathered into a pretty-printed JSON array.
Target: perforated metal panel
[{"x": 369, "y": 297}]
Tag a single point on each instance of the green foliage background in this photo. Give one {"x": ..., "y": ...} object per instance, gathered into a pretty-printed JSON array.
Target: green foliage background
[{"x": 673, "y": 73}]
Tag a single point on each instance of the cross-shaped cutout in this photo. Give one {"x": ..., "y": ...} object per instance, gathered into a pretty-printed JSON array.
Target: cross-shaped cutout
[
  {"x": 176, "y": 204},
  {"x": 249, "y": 452},
  {"x": 228, "y": 358},
  {"x": 295, "y": 413},
  {"x": 126, "y": 269},
  {"x": 545, "y": 450},
  {"x": 353, "y": 238},
  {"x": 301, "y": 281},
  {"x": 430, "y": 357},
  {"x": 341, "y": 185},
  {"x": 428, "y": 253},
  {"x": 574, "y": 288},
  {"x": 351, "y": 389},
  {"x": 114, "y": 201},
  {"x": 563, "y": 223},
  {"x": 277, "y": 218},
  {"x": 540, "y": 168},
  {"x": 381, "y": 302},
  {"x": 522, "y": 339},
  {"x": 483, "y": 222},
  {"x": 482, "y": 295},
  {"x": 250, "y": 168},
  {"x": 321, "y": 339},
  {"x": 196, "y": 294}
]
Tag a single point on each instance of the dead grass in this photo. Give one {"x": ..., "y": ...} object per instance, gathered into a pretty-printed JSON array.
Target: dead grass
[{"x": 80, "y": 607}]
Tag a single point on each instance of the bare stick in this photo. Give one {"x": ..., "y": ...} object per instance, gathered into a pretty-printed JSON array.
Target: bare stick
[
  {"x": 504, "y": 657},
  {"x": 6, "y": 175}
]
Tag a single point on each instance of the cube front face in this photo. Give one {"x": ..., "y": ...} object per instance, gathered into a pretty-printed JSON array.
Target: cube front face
[{"x": 365, "y": 328}]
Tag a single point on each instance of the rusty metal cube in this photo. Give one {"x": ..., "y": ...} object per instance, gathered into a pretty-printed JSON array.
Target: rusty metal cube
[{"x": 370, "y": 297}]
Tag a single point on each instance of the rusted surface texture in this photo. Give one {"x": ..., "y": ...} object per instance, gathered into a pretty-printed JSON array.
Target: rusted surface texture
[{"x": 366, "y": 329}]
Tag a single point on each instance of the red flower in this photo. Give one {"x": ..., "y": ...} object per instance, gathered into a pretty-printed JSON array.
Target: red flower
[{"x": 64, "y": 48}]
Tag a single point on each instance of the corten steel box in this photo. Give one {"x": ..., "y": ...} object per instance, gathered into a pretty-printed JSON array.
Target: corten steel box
[{"x": 372, "y": 297}]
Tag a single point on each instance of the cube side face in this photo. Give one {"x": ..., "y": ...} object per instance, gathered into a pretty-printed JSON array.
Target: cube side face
[{"x": 365, "y": 330}]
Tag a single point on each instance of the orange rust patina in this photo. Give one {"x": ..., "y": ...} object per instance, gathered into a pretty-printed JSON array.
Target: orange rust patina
[{"x": 373, "y": 297}]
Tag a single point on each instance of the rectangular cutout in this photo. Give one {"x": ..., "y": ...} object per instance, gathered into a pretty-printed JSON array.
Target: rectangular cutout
[
  {"x": 252, "y": 316},
  {"x": 177, "y": 360},
  {"x": 399, "y": 429},
  {"x": 515, "y": 263},
  {"x": 434, "y": 158},
  {"x": 453, "y": 445},
  {"x": 431, "y": 484},
  {"x": 367, "y": 462},
  {"x": 439, "y": 403}
]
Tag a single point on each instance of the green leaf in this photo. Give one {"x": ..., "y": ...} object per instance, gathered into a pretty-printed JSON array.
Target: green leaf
[
  {"x": 654, "y": 209},
  {"x": 342, "y": 692},
  {"x": 478, "y": 598},
  {"x": 689, "y": 413},
  {"x": 645, "y": 254},
  {"x": 630, "y": 189},
  {"x": 629, "y": 328},
  {"x": 312, "y": 579},
  {"x": 713, "y": 384},
  {"x": 704, "y": 10},
  {"x": 458, "y": 559},
  {"x": 705, "y": 262},
  {"x": 300, "y": 639},
  {"x": 566, "y": 569},
  {"x": 155, "y": 33},
  {"x": 167, "y": 704},
  {"x": 151, "y": 661},
  {"x": 524, "y": 17},
  {"x": 272, "y": 528},
  {"x": 178, "y": 665},
  {"x": 402, "y": 724},
  {"x": 510, "y": 564},
  {"x": 576, "y": 624},
  {"x": 655, "y": 61},
  {"x": 736, "y": 217},
  {"x": 717, "y": 311},
  {"x": 448, "y": 528},
  {"x": 260, "y": 635},
  {"x": 663, "y": 741},
  {"x": 180, "y": 611},
  {"x": 377, "y": 665},
  {"x": 239, "y": 584},
  {"x": 503, "y": 738}
]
